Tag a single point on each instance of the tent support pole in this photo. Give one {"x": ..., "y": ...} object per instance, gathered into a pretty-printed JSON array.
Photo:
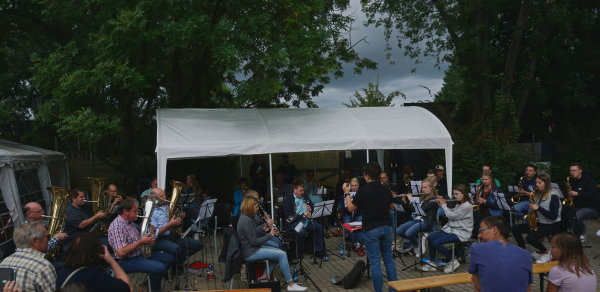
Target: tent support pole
[
  {"x": 241, "y": 167},
  {"x": 368, "y": 160},
  {"x": 271, "y": 184}
]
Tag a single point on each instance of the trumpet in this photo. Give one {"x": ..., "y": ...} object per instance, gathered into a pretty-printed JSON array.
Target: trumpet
[
  {"x": 517, "y": 197},
  {"x": 86, "y": 201}
]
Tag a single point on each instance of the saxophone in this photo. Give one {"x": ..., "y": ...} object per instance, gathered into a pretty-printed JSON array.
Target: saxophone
[
  {"x": 531, "y": 217},
  {"x": 174, "y": 209},
  {"x": 149, "y": 206},
  {"x": 100, "y": 202},
  {"x": 568, "y": 201},
  {"x": 476, "y": 196},
  {"x": 56, "y": 220}
]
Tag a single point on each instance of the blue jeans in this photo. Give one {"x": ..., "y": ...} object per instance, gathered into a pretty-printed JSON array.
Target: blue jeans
[
  {"x": 156, "y": 266},
  {"x": 274, "y": 242},
  {"x": 521, "y": 208},
  {"x": 378, "y": 242},
  {"x": 176, "y": 246},
  {"x": 436, "y": 243},
  {"x": 410, "y": 229},
  {"x": 274, "y": 256},
  {"x": 355, "y": 236},
  {"x": 582, "y": 214}
]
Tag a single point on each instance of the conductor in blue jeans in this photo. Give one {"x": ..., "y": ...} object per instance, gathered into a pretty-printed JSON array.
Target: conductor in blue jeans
[{"x": 374, "y": 201}]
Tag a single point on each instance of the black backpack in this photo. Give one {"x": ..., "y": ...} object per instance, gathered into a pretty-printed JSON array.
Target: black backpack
[{"x": 351, "y": 280}]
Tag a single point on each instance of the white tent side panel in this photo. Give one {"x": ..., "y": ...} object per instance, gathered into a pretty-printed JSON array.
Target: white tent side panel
[{"x": 195, "y": 133}]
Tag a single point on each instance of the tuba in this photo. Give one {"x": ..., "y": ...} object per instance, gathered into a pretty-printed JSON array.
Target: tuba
[
  {"x": 568, "y": 201},
  {"x": 100, "y": 202},
  {"x": 56, "y": 221},
  {"x": 531, "y": 217},
  {"x": 174, "y": 209},
  {"x": 517, "y": 197},
  {"x": 149, "y": 206}
]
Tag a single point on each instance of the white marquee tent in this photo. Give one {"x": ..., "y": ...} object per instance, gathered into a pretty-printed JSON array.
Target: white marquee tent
[
  {"x": 25, "y": 173},
  {"x": 197, "y": 133}
]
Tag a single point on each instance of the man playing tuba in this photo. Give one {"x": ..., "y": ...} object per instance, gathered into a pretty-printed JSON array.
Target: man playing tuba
[
  {"x": 167, "y": 241},
  {"x": 78, "y": 219},
  {"x": 33, "y": 213}
]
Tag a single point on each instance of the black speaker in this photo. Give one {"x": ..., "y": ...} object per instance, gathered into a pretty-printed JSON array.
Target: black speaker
[{"x": 272, "y": 284}]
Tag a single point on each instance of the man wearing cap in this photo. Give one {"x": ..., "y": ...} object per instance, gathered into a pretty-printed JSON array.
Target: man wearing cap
[{"x": 440, "y": 177}]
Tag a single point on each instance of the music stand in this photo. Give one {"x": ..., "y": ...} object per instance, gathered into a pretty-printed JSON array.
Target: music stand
[
  {"x": 415, "y": 186},
  {"x": 415, "y": 201},
  {"x": 501, "y": 204},
  {"x": 320, "y": 209}
]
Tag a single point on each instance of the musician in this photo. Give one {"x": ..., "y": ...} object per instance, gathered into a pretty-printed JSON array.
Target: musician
[
  {"x": 114, "y": 198},
  {"x": 297, "y": 209},
  {"x": 585, "y": 196},
  {"x": 526, "y": 186},
  {"x": 547, "y": 208},
  {"x": 78, "y": 218},
  {"x": 289, "y": 170},
  {"x": 125, "y": 240},
  {"x": 33, "y": 213},
  {"x": 180, "y": 248},
  {"x": 374, "y": 201},
  {"x": 488, "y": 196},
  {"x": 496, "y": 265},
  {"x": 458, "y": 228},
  {"x": 153, "y": 185},
  {"x": 238, "y": 195},
  {"x": 410, "y": 229},
  {"x": 355, "y": 236},
  {"x": 487, "y": 168},
  {"x": 312, "y": 187},
  {"x": 253, "y": 236},
  {"x": 442, "y": 185}
]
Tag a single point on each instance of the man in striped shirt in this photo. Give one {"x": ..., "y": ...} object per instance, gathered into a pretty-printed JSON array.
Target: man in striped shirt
[
  {"x": 126, "y": 241},
  {"x": 34, "y": 272}
]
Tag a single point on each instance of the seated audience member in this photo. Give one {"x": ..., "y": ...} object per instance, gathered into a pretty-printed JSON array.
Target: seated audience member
[
  {"x": 125, "y": 240},
  {"x": 33, "y": 213},
  {"x": 458, "y": 229},
  {"x": 574, "y": 272},
  {"x": 546, "y": 207},
  {"x": 180, "y": 248},
  {"x": 410, "y": 229},
  {"x": 253, "y": 237},
  {"x": 85, "y": 261},
  {"x": 238, "y": 195},
  {"x": 496, "y": 265},
  {"x": 33, "y": 272},
  {"x": 297, "y": 209}
]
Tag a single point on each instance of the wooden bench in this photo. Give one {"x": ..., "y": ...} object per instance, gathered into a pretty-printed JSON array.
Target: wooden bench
[{"x": 454, "y": 279}]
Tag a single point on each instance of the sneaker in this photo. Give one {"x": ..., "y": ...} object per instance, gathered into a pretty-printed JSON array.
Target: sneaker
[
  {"x": 296, "y": 287},
  {"x": 536, "y": 254},
  {"x": 416, "y": 252},
  {"x": 451, "y": 266},
  {"x": 583, "y": 238},
  {"x": 431, "y": 267},
  {"x": 544, "y": 258}
]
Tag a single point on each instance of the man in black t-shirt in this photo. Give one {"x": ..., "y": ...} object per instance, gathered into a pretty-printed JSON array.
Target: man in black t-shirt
[
  {"x": 374, "y": 201},
  {"x": 78, "y": 218}
]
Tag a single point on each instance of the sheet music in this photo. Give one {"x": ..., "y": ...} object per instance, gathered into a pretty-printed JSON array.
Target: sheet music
[
  {"x": 398, "y": 207},
  {"x": 415, "y": 186},
  {"x": 352, "y": 194},
  {"x": 513, "y": 189},
  {"x": 472, "y": 188},
  {"x": 322, "y": 209},
  {"x": 501, "y": 202}
]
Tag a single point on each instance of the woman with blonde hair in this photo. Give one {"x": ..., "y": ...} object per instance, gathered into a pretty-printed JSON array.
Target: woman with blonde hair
[
  {"x": 546, "y": 206},
  {"x": 410, "y": 229},
  {"x": 574, "y": 272},
  {"x": 253, "y": 236}
]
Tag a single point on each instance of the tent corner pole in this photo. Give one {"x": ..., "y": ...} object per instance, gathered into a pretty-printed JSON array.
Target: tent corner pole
[{"x": 271, "y": 184}]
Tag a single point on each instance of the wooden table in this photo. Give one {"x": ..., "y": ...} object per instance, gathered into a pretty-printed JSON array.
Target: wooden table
[{"x": 459, "y": 278}]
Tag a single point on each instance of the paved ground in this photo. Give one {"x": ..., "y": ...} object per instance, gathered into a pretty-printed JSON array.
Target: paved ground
[{"x": 338, "y": 267}]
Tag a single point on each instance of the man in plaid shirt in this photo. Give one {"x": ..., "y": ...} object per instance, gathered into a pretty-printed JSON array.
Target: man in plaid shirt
[
  {"x": 33, "y": 213},
  {"x": 125, "y": 240},
  {"x": 34, "y": 272}
]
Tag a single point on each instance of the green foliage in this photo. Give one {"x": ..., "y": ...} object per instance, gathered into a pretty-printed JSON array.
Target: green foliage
[
  {"x": 87, "y": 126},
  {"x": 373, "y": 97}
]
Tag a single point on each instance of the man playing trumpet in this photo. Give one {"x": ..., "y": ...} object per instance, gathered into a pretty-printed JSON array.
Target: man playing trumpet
[{"x": 78, "y": 219}]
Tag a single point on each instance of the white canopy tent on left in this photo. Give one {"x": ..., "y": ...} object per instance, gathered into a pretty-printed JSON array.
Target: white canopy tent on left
[{"x": 25, "y": 174}]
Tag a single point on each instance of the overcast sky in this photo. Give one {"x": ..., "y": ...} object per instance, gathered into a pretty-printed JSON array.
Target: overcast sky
[{"x": 391, "y": 77}]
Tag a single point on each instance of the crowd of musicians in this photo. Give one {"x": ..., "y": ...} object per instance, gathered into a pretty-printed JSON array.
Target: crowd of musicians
[{"x": 417, "y": 212}]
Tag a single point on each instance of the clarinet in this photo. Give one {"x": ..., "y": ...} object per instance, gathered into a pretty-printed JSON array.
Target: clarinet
[{"x": 265, "y": 217}]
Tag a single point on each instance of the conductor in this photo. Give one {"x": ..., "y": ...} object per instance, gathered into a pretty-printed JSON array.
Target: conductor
[{"x": 374, "y": 201}]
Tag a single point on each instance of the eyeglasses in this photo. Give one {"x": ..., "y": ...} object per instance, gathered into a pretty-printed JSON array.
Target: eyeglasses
[
  {"x": 484, "y": 228},
  {"x": 38, "y": 211}
]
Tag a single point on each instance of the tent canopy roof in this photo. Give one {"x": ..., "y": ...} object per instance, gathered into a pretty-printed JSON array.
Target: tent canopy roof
[
  {"x": 189, "y": 133},
  {"x": 11, "y": 152}
]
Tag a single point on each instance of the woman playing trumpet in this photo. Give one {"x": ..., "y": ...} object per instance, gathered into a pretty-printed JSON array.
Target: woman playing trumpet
[
  {"x": 253, "y": 237},
  {"x": 458, "y": 228},
  {"x": 547, "y": 207}
]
